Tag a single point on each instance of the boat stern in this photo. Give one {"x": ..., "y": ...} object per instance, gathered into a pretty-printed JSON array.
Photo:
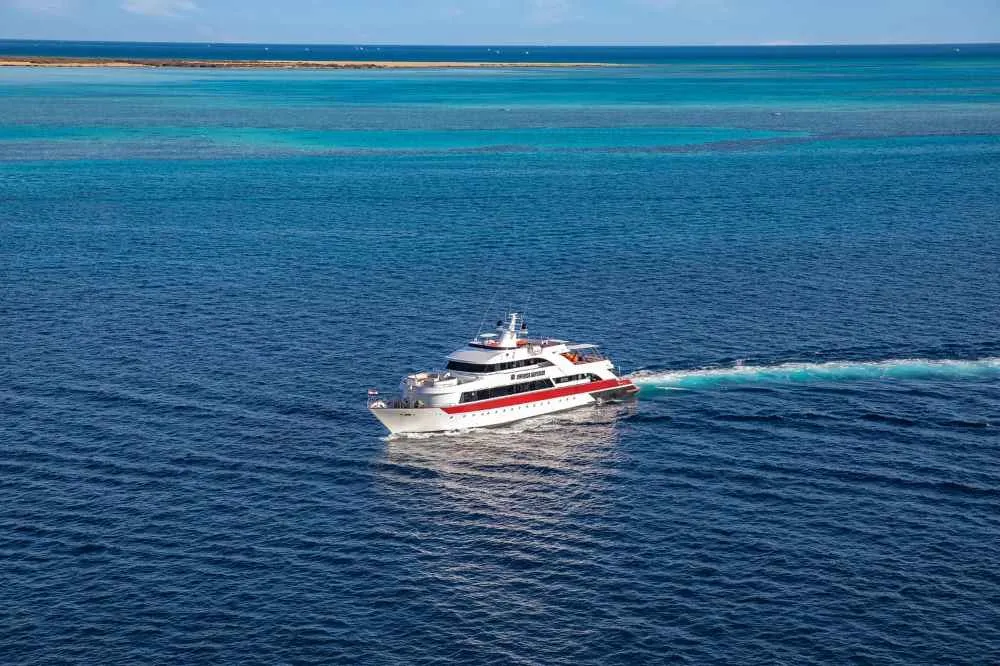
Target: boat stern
[{"x": 622, "y": 390}]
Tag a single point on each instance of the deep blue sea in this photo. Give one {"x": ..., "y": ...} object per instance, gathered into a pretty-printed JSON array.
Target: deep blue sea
[{"x": 795, "y": 252}]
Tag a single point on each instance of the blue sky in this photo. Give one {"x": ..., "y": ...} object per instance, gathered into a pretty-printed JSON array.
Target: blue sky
[{"x": 507, "y": 21}]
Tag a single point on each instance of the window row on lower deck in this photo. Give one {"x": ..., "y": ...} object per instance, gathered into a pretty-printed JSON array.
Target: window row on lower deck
[
  {"x": 575, "y": 378},
  {"x": 509, "y": 389},
  {"x": 462, "y": 366}
]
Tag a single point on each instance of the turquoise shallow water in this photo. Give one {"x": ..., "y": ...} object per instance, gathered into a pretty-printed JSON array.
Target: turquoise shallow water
[
  {"x": 315, "y": 140},
  {"x": 795, "y": 257}
]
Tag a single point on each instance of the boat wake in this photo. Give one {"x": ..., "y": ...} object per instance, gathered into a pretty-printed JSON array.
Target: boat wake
[{"x": 832, "y": 371}]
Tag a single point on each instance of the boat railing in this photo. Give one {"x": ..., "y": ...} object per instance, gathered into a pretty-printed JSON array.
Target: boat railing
[
  {"x": 381, "y": 402},
  {"x": 422, "y": 379},
  {"x": 583, "y": 357}
]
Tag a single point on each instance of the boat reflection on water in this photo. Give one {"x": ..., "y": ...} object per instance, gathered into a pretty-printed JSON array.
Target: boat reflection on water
[
  {"x": 543, "y": 469},
  {"x": 517, "y": 521},
  {"x": 560, "y": 441},
  {"x": 550, "y": 469},
  {"x": 472, "y": 511}
]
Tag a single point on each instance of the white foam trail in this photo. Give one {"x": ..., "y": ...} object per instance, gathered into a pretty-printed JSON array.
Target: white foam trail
[{"x": 832, "y": 371}]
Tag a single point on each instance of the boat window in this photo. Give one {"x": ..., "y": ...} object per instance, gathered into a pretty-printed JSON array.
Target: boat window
[
  {"x": 575, "y": 378},
  {"x": 508, "y": 389},
  {"x": 462, "y": 366}
]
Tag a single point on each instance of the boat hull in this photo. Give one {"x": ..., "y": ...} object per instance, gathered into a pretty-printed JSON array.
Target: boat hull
[{"x": 492, "y": 413}]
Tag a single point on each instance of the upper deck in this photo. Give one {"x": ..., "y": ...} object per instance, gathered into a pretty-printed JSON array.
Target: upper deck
[{"x": 509, "y": 347}]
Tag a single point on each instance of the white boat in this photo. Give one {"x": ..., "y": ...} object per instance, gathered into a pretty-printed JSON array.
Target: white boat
[{"x": 498, "y": 378}]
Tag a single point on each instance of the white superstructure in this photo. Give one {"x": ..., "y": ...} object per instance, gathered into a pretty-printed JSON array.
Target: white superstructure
[{"x": 501, "y": 377}]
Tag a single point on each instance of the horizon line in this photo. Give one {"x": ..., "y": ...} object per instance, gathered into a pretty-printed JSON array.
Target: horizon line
[{"x": 770, "y": 44}]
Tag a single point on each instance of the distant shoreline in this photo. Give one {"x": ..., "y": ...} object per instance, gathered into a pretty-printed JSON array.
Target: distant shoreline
[{"x": 65, "y": 61}]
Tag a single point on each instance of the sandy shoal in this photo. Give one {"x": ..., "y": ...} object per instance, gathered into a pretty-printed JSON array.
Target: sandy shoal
[{"x": 50, "y": 61}]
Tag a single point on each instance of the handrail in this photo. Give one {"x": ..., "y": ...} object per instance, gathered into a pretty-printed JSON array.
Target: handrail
[{"x": 378, "y": 402}]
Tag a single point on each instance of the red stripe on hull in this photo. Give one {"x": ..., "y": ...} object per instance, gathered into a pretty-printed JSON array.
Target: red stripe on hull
[{"x": 536, "y": 396}]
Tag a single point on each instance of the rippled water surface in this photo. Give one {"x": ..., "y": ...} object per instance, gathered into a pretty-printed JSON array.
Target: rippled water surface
[{"x": 797, "y": 260}]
